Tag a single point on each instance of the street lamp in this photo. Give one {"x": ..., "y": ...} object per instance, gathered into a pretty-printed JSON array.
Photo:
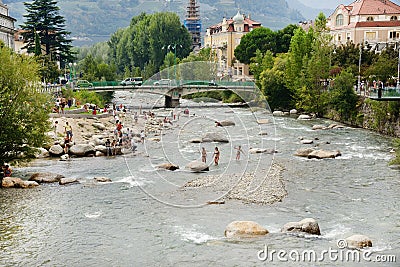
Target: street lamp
[
  {"x": 167, "y": 47},
  {"x": 174, "y": 48},
  {"x": 359, "y": 64},
  {"x": 398, "y": 71},
  {"x": 359, "y": 71}
]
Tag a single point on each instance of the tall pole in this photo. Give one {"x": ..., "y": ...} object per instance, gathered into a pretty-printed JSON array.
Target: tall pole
[
  {"x": 359, "y": 71},
  {"x": 398, "y": 70},
  {"x": 175, "y": 62}
]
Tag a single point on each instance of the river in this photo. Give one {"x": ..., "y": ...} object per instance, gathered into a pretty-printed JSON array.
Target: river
[{"x": 145, "y": 218}]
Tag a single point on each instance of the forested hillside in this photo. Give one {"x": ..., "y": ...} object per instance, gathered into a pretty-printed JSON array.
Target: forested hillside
[{"x": 97, "y": 19}]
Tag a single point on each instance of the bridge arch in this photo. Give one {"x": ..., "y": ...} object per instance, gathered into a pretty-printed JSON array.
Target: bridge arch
[{"x": 201, "y": 76}]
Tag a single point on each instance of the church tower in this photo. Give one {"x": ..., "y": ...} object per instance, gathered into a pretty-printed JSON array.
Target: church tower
[{"x": 193, "y": 23}]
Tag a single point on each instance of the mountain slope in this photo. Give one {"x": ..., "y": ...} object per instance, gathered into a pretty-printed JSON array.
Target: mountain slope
[
  {"x": 308, "y": 12},
  {"x": 97, "y": 19}
]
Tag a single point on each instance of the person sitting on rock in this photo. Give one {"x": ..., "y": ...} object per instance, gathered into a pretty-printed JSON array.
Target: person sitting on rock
[{"x": 7, "y": 171}]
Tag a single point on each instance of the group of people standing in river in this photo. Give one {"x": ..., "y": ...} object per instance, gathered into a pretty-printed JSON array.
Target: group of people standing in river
[{"x": 216, "y": 154}]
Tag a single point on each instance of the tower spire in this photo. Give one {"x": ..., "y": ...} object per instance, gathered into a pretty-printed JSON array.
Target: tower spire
[{"x": 193, "y": 23}]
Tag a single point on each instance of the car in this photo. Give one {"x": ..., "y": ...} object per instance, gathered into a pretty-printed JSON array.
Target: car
[
  {"x": 83, "y": 84},
  {"x": 132, "y": 81},
  {"x": 163, "y": 82}
]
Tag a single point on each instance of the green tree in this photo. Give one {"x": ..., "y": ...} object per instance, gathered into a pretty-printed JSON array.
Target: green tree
[
  {"x": 264, "y": 39},
  {"x": 148, "y": 39},
  {"x": 343, "y": 98},
  {"x": 24, "y": 111},
  {"x": 298, "y": 56},
  {"x": 273, "y": 85}
]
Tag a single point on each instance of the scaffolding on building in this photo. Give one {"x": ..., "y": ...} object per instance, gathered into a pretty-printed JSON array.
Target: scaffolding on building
[{"x": 193, "y": 23}]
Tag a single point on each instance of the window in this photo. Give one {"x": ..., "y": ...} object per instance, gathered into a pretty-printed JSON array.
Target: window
[
  {"x": 370, "y": 35},
  {"x": 370, "y": 18},
  {"x": 339, "y": 20},
  {"x": 393, "y": 18},
  {"x": 394, "y": 35}
]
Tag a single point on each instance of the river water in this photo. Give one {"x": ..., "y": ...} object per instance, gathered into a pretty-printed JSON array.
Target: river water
[{"x": 145, "y": 218}]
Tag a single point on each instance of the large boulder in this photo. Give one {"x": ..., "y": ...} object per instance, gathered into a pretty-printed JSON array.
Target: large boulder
[
  {"x": 261, "y": 150},
  {"x": 46, "y": 177},
  {"x": 335, "y": 126},
  {"x": 303, "y": 152},
  {"x": 197, "y": 166},
  {"x": 244, "y": 229},
  {"x": 56, "y": 150},
  {"x": 358, "y": 241},
  {"x": 101, "y": 148},
  {"x": 81, "y": 150},
  {"x": 195, "y": 140},
  {"x": 98, "y": 141},
  {"x": 17, "y": 183},
  {"x": 304, "y": 117},
  {"x": 168, "y": 166},
  {"x": 308, "y": 225},
  {"x": 64, "y": 181},
  {"x": 102, "y": 179},
  {"x": 227, "y": 123},
  {"x": 318, "y": 127},
  {"x": 278, "y": 113},
  {"x": 263, "y": 121},
  {"x": 99, "y": 126},
  {"x": 307, "y": 141},
  {"x": 324, "y": 154},
  {"x": 42, "y": 153},
  {"x": 214, "y": 137}
]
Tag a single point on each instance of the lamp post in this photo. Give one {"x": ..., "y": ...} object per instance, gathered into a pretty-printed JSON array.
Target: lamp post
[
  {"x": 398, "y": 71},
  {"x": 359, "y": 71},
  {"x": 174, "y": 47},
  {"x": 167, "y": 47}
]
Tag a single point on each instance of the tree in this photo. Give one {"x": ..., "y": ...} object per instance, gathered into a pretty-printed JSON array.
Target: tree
[
  {"x": 43, "y": 18},
  {"x": 272, "y": 81},
  {"x": 298, "y": 56},
  {"x": 343, "y": 97},
  {"x": 148, "y": 39},
  {"x": 264, "y": 39},
  {"x": 23, "y": 110}
]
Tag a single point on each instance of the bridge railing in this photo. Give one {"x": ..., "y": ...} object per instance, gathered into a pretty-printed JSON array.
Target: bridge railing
[
  {"x": 106, "y": 83},
  {"x": 386, "y": 92}
]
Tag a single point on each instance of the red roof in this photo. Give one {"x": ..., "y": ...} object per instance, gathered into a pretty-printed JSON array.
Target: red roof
[
  {"x": 247, "y": 21},
  {"x": 373, "y": 7},
  {"x": 392, "y": 23}
]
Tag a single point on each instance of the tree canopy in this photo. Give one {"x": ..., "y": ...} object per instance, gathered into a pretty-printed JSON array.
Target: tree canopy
[
  {"x": 264, "y": 39},
  {"x": 45, "y": 25},
  {"x": 147, "y": 41},
  {"x": 23, "y": 110}
]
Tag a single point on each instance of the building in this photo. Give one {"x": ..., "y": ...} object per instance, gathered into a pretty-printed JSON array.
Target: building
[
  {"x": 373, "y": 21},
  {"x": 193, "y": 23},
  {"x": 19, "y": 42},
  {"x": 6, "y": 26},
  {"x": 223, "y": 38}
]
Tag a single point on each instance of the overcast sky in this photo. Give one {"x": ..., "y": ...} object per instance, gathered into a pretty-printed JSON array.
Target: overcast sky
[{"x": 331, "y": 4}]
